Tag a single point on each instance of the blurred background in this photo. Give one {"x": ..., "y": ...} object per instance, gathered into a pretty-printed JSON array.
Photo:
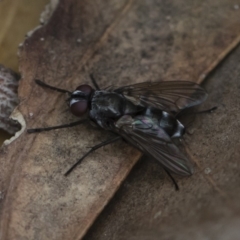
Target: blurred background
[{"x": 17, "y": 17}]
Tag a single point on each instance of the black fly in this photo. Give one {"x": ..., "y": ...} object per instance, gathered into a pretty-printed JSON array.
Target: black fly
[{"x": 144, "y": 114}]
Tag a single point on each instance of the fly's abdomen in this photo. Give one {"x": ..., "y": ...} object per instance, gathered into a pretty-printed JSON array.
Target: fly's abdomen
[
  {"x": 171, "y": 125},
  {"x": 167, "y": 122}
]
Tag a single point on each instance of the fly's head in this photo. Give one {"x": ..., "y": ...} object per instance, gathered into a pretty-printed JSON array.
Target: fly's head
[{"x": 80, "y": 99}]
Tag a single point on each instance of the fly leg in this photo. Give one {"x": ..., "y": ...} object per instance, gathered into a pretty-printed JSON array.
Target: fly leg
[
  {"x": 43, "y": 84},
  {"x": 94, "y": 82},
  {"x": 35, "y": 130},
  {"x": 172, "y": 178},
  {"x": 111, "y": 140},
  {"x": 186, "y": 116},
  {"x": 187, "y": 112},
  {"x": 206, "y": 111}
]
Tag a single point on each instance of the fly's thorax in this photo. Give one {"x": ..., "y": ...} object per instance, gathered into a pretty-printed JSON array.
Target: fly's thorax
[
  {"x": 106, "y": 104},
  {"x": 123, "y": 121},
  {"x": 131, "y": 109}
]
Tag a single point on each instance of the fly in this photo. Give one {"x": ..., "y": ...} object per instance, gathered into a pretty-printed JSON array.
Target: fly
[{"x": 144, "y": 114}]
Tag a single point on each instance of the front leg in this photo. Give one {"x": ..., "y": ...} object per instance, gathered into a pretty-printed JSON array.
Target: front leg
[{"x": 73, "y": 124}]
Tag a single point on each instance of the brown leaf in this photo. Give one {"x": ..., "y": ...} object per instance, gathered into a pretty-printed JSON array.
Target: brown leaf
[
  {"x": 119, "y": 42},
  {"x": 207, "y": 206}
]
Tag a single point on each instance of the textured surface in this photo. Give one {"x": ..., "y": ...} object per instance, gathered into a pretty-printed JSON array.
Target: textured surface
[
  {"x": 207, "y": 205},
  {"x": 119, "y": 42},
  {"x": 16, "y": 19},
  {"x": 8, "y": 99}
]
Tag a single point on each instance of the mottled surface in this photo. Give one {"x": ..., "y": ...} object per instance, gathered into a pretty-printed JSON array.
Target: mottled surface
[
  {"x": 8, "y": 99},
  {"x": 119, "y": 42},
  {"x": 207, "y": 205},
  {"x": 16, "y": 18}
]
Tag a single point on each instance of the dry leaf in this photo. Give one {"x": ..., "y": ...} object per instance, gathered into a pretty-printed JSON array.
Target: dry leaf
[
  {"x": 207, "y": 206},
  {"x": 119, "y": 42}
]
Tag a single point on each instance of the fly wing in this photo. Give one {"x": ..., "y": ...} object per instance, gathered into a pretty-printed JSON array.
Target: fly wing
[
  {"x": 152, "y": 140},
  {"x": 171, "y": 96}
]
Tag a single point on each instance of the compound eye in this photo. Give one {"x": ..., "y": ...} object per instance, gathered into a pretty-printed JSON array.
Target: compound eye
[
  {"x": 78, "y": 108},
  {"x": 85, "y": 89}
]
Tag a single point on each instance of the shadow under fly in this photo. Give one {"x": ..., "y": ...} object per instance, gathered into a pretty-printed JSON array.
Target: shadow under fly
[{"x": 146, "y": 115}]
